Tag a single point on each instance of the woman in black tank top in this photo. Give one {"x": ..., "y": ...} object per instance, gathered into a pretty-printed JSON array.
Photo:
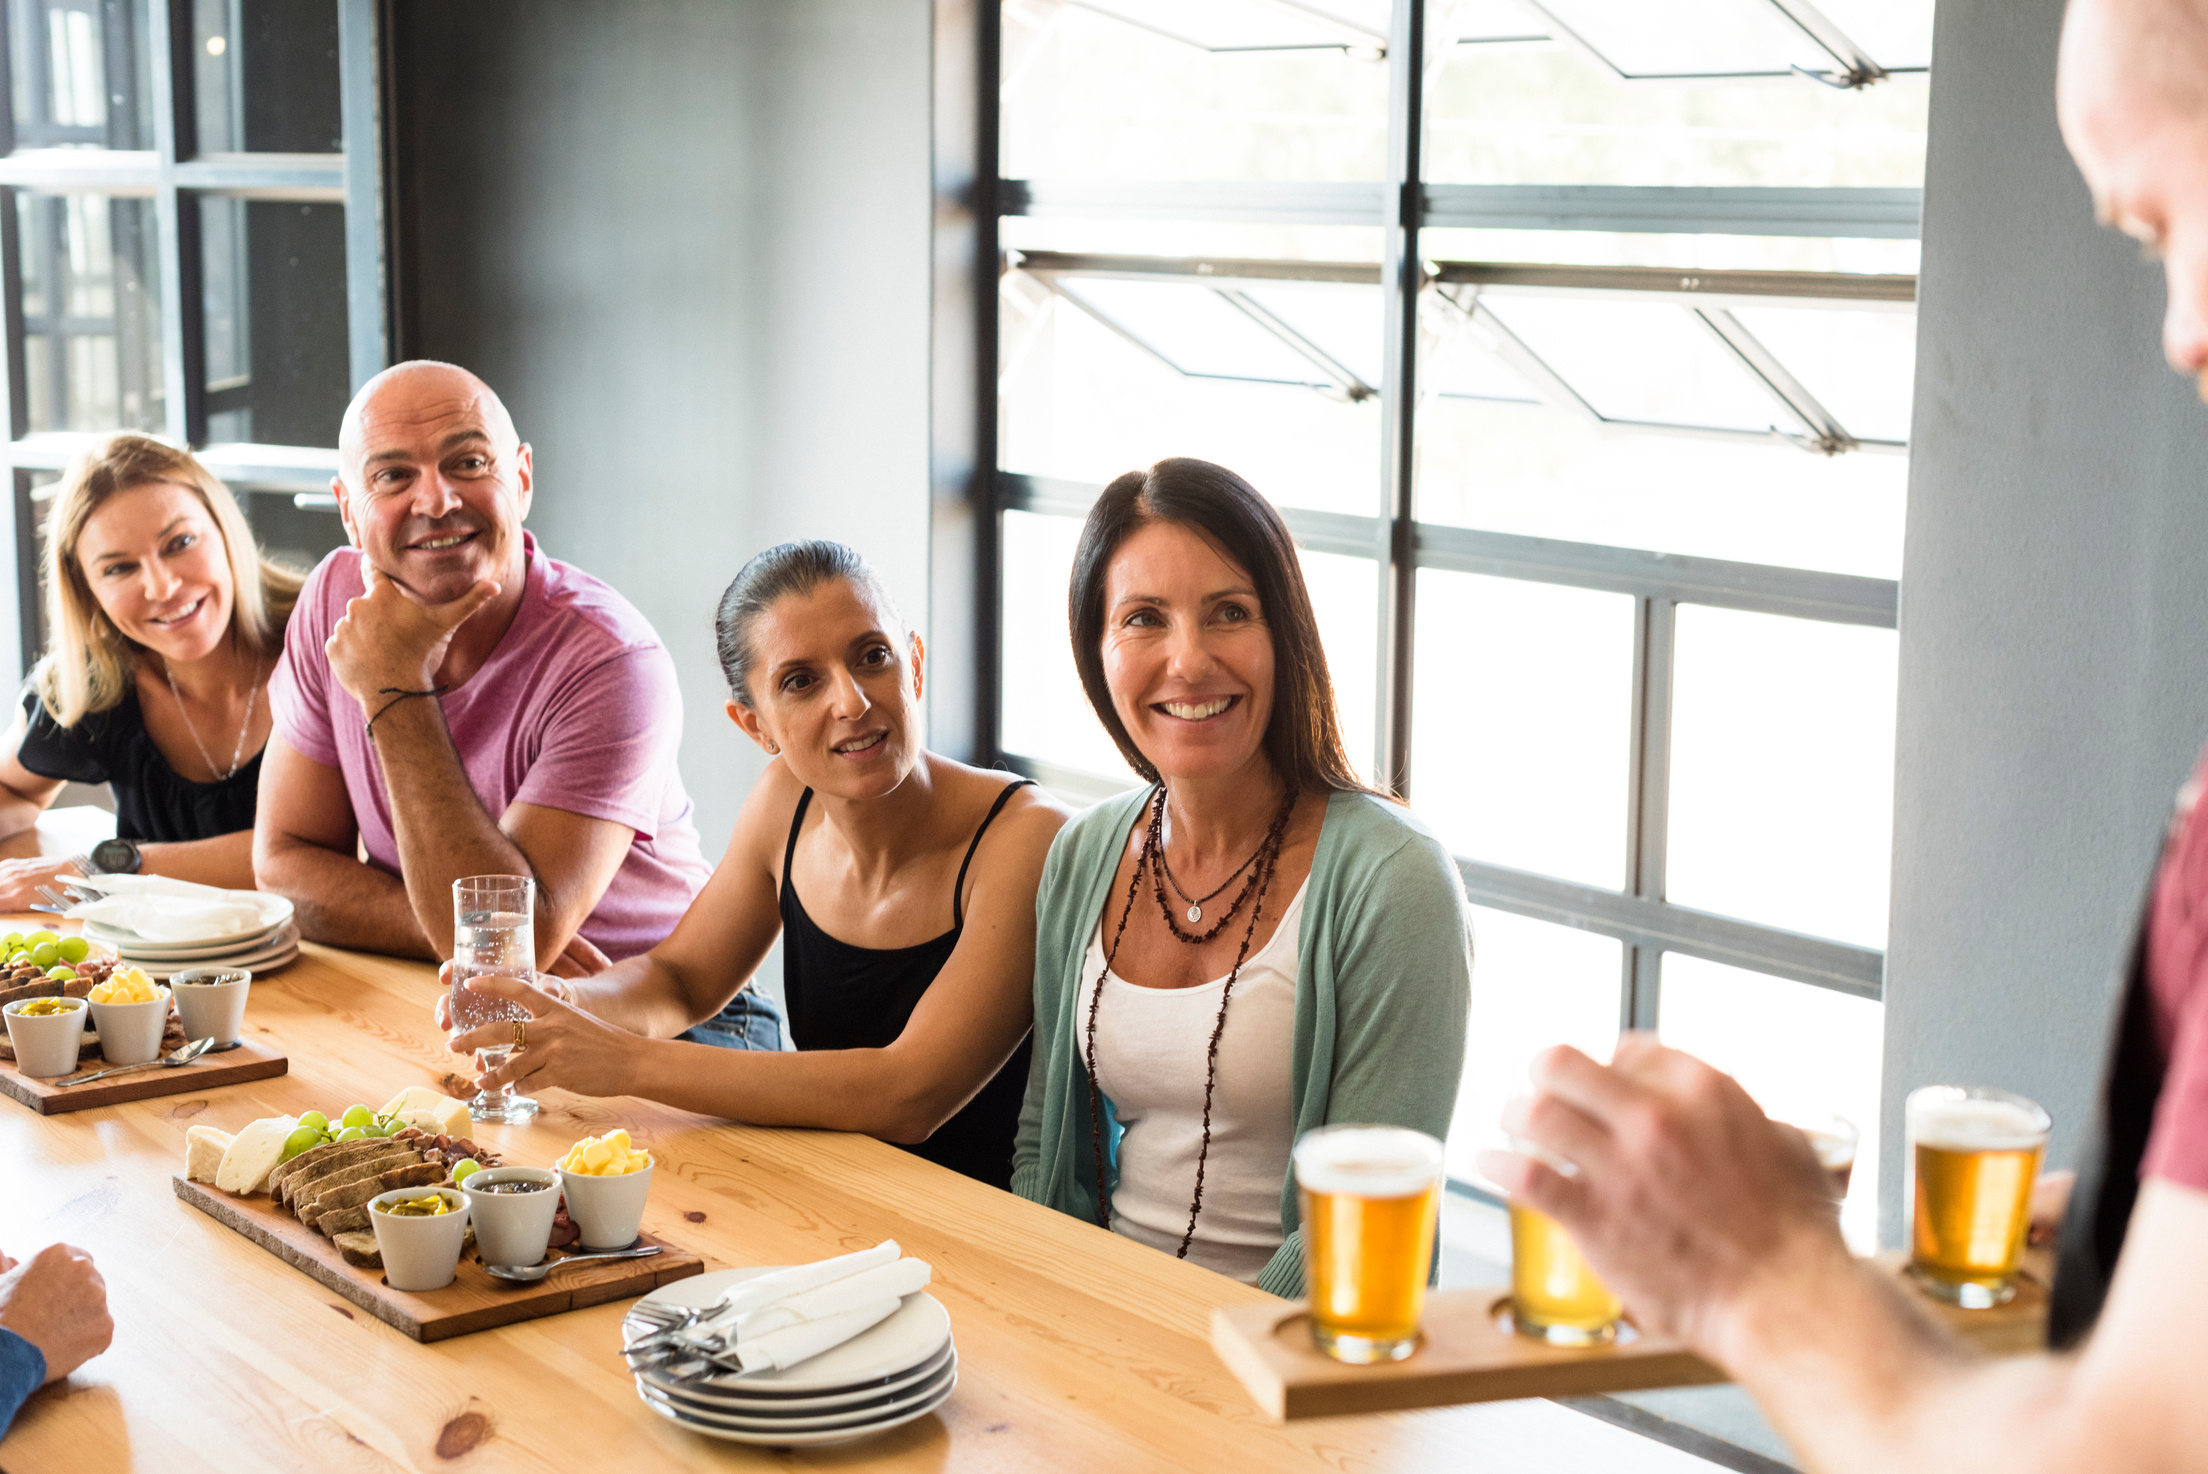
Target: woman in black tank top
[{"x": 904, "y": 1030}]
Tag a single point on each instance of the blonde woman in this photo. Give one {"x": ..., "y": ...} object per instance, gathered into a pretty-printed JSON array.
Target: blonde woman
[{"x": 163, "y": 622}]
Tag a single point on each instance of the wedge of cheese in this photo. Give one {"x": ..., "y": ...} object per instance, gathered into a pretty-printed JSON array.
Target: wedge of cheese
[
  {"x": 252, "y": 1155},
  {"x": 203, "y": 1150},
  {"x": 427, "y": 1109}
]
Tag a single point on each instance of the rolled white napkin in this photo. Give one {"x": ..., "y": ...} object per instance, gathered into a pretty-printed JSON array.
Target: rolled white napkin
[
  {"x": 159, "y": 909},
  {"x": 793, "y": 1344},
  {"x": 753, "y": 1294},
  {"x": 887, "y": 1282}
]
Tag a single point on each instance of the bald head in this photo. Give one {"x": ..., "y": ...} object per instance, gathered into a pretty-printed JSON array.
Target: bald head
[{"x": 409, "y": 395}]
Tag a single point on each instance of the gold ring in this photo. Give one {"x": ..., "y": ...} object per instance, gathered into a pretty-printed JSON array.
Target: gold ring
[{"x": 521, "y": 1033}]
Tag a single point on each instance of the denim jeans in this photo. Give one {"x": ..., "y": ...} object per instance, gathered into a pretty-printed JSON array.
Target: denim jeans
[{"x": 749, "y": 1020}]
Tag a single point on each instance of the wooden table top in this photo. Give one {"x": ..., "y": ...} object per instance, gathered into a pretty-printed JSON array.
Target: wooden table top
[{"x": 1078, "y": 1349}]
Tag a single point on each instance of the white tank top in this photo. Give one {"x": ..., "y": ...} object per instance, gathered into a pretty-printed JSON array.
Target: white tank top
[{"x": 1150, "y": 1053}]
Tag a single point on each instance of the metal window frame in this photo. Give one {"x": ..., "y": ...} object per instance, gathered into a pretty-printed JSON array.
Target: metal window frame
[{"x": 174, "y": 174}]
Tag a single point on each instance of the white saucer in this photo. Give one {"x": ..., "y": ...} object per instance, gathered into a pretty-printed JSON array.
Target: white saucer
[
  {"x": 781, "y": 1405},
  {"x": 927, "y": 1394},
  {"x": 794, "y": 1439},
  {"x": 266, "y": 959},
  {"x": 882, "y": 1354},
  {"x": 846, "y": 1404},
  {"x": 134, "y": 950}
]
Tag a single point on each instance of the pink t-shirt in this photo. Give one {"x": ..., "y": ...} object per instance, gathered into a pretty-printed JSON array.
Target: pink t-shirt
[
  {"x": 2177, "y": 987},
  {"x": 576, "y": 709}
]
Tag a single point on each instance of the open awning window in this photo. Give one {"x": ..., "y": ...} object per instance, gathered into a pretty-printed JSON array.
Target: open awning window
[
  {"x": 1258, "y": 25},
  {"x": 1819, "y": 360}
]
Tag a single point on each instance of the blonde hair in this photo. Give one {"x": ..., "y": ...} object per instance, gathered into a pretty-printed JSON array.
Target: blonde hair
[{"x": 89, "y": 664}]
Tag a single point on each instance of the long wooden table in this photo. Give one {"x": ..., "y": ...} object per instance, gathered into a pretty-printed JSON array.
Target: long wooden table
[{"x": 1078, "y": 1349}]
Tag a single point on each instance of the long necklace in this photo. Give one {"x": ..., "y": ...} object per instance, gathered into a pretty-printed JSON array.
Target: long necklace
[
  {"x": 1153, "y": 855},
  {"x": 1196, "y": 903},
  {"x": 237, "y": 752}
]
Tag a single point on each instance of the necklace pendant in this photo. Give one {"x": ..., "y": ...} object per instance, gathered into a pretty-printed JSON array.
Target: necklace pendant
[{"x": 1195, "y": 914}]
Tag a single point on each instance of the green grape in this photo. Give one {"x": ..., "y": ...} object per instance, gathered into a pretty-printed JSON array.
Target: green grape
[
  {"x": 34, "y": 939},
  {"x": 464, "y": 1170},
  {"x": 376, "y": 1128},
  {"x": 12, "y": 940},
  {"x": 74, "y": 949},
  {"x": 45, "y": 954},
  {"x": 20, "y": 954},
  {"x": 304, "y": 1138},
  {"x": 358, "y": 1115},
  {"x": 61, "y": 972},
  {"x": 352, "y": 1133},
  {"x": 317, "y": 1120}
]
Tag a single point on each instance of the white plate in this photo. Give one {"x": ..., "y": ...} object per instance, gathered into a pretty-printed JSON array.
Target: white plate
[
  {"x": 134, "y": 950},
  {"x": 914, "y": 1332},
  {"x": 861, "y": 1416},
  {"x": 788, "y": 1439},
  {"x": 275, "y": 911},
  {"x": 266, "y": 958},
  {"x": 735, "y": 1404}
]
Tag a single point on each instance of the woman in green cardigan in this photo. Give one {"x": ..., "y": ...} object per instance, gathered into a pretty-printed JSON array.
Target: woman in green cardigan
[{"x": 1255, "y": 945}]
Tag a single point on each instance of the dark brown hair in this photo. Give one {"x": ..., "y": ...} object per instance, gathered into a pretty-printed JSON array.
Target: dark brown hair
[{"x": 1303, "y": 735}]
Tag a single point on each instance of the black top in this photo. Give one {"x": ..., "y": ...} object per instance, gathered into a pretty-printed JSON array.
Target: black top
[
  {"x": 151, "y": 801},
  {"x": 845, "y": 997},
  {"x": 2115, "y": 1146}
]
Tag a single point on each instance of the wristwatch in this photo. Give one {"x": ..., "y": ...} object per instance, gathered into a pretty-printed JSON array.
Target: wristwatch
[{"x": 117, "y": 857}]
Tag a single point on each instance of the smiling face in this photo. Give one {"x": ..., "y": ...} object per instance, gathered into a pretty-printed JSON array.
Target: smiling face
[
  {"x": 1188, "y": 655},
  {"x": 156, "y": 562},
  {"x": 435, "y": 483},
  {"x": 2132, "y": 96},
  {"x": 835, "y": 687}
]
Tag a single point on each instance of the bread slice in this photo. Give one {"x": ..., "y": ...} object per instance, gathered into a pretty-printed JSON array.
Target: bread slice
[
  {"x": 302, "y": 1187},
  {"x": 360, "y": 1249},
  {"x": 316, "y": 1161},
  {"x": 357, "y": 1194},
  {"x": 351, "y": 1170}
]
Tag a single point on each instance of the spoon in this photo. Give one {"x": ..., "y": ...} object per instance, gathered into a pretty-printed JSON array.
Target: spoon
[
  {"x": 183, "y": 1056},
  {"x": 529, "y": 1274}
]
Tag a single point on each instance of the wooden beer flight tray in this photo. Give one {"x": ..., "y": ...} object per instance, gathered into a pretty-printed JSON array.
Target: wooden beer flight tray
[
  {"x": 1470, "y": 1354},
  {"x": 251, "y": 1060},
  {"x": 472, "y": 1302}
]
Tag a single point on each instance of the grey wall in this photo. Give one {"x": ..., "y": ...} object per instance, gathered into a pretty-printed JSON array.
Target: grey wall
[
  {"x": 2054, "y": 606},
  {"x": 687, "y": 241}
]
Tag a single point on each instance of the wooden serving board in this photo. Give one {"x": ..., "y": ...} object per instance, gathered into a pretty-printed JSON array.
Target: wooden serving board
[
  {"x": 472, "y": 1302},
  {"x": 1470, "y": 1353},
  {"x": 251, "y": 1060}
]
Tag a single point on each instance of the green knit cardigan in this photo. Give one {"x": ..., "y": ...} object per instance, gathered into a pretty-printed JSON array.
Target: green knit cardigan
[{"x": 1383, "y": 987}]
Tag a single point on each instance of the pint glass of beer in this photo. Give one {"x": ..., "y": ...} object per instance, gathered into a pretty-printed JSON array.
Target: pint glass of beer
[
  {"x": 1371, "y": 1198},
  {"x": 1973, "y": 1157}
]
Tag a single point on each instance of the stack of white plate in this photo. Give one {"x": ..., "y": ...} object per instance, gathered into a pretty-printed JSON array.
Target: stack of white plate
[
  {"x": 899, "y": 1370},
  {"x": 269, "y": 944}
]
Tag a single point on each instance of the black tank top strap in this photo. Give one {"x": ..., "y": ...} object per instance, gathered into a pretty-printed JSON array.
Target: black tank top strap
[
  {"x": 789, "y": 850},
  {"x": 958, "y": 889}
]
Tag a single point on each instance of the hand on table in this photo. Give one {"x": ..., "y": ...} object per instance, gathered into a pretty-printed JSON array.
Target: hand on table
[
  {"x": 1686, "y": 1196},
  {"x": 20, "y": 879},
  {"x": 565, "y": 1046},
  {"x": 58, "y": 1303},
  {"x": 385, "y": 641}
]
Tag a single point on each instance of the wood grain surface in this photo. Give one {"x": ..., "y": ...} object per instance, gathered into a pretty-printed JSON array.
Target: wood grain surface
[
  {"x": 1078, "y": 1349},
  {"x": 472, "y": 1302},
  {"x": 253, "y": 1059}
]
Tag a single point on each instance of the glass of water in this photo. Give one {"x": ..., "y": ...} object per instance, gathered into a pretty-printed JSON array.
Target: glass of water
[{"x": 493, "y": 935}]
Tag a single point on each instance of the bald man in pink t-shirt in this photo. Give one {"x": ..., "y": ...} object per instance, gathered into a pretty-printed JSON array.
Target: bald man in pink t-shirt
[{"x": 453, "y": 702}]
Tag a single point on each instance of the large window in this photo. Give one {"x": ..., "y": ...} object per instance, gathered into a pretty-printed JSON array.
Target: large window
[
  {"x": 1575, "y": 341},
  {"x": 189, "y": 243}
]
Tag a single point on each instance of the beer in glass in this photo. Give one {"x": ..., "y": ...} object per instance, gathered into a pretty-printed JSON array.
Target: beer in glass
[
  {"x": 1371, "y": 1198},
  {"x": 1973, "y": 1157},
  {"x": 1554, "y": 1296}
]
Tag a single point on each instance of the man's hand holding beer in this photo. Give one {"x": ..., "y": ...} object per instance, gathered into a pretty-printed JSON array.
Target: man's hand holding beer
[{"x": 1688, "y": 1201}]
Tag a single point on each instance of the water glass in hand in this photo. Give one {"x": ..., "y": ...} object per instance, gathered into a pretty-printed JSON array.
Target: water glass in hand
[{"x": 493, "y": 935}]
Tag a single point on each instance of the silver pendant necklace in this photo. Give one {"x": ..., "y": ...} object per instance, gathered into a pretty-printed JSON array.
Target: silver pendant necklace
[
  {"x": 1195, "y": 911},
  {"x": 237, "y": 751}
]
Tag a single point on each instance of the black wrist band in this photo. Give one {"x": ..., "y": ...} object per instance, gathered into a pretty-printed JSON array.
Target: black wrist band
[{"x": 398, "y": 695}]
